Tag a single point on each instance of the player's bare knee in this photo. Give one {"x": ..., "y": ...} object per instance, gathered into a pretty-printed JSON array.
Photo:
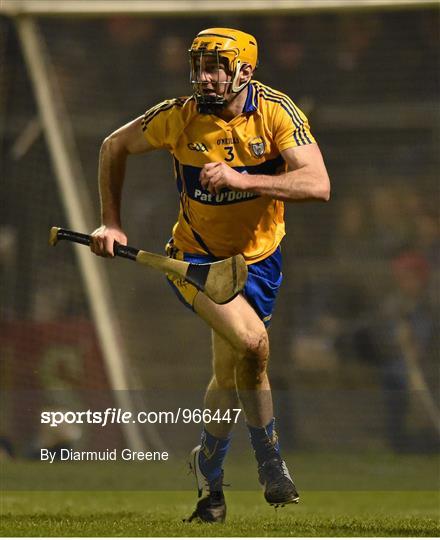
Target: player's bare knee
[
  {"x": 253, "y": 362},
  {"x": 256, "y": 346}
]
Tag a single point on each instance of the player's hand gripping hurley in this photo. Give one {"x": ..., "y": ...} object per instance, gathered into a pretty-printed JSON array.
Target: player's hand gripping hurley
[{"x": 221, "y": 281}]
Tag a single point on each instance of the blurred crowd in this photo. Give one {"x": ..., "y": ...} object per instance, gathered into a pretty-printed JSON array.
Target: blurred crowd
[
  {"x": 361, "y": 274},
  {"x": 377, "y": 303},
  {"x": 330, "y": 58},
  {"x": 152, "y": 64}
]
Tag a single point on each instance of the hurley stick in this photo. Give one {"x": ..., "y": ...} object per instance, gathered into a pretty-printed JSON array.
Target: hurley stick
[{"x": 221, "y": 281}]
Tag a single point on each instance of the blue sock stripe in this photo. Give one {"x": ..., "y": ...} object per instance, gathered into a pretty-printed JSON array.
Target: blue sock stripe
[
  {"x": 272, "y": 434},
  {"x": 212, "y": 455},
  {"x": 264, "y": 441}
]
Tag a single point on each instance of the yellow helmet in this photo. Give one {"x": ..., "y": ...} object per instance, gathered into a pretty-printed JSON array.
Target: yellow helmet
[{"x": 235, "y": 46}]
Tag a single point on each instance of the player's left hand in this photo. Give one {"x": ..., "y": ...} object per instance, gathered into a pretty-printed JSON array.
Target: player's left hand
[{"x": 217, "y": 176}]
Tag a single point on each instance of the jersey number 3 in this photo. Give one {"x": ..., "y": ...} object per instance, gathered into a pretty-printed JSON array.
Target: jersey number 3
[{"x": 230, "y": 151}]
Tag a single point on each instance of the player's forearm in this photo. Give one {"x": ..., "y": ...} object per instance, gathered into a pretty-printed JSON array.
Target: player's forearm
[
  {"x": 112, "y": 160},
  {"x": 299, "y": 185}
]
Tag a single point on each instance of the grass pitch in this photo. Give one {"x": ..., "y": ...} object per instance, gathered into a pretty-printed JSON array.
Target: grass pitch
[
  {"x": 160, "y": 514},
  {"x": 341, "y": 495}
]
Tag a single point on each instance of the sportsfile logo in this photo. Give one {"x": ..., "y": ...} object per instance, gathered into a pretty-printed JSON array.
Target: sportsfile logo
[
  {"x": 197, "y": 147},
  {"x": 113, "y": 415}
]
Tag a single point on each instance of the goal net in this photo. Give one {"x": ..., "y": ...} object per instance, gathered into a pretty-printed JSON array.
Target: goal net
[{"x": 359, "y": 273}]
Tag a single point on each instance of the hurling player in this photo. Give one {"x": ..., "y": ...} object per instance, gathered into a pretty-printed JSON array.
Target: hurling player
[{"x": 240, "y": 149}]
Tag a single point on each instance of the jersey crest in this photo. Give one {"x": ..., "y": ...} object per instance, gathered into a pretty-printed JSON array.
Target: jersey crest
[{"x": 257, "y": 147}]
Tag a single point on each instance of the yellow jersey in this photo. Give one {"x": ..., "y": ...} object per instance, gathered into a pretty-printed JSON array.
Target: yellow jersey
[{"x": 230, "y": 222}]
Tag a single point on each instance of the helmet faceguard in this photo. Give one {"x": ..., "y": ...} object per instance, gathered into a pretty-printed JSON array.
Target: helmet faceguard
[
  {"x": 209, "y": 103},
  {"x": 228, "y": 49}
]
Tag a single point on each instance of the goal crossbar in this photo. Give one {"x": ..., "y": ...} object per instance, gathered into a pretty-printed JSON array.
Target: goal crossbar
[{"x": 190, "y": 7}]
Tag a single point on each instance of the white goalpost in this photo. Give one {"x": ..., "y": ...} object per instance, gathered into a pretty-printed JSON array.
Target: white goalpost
[{"x": 70, "y": 181}]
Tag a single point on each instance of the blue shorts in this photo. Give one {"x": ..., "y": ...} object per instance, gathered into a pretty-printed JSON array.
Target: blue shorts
[{"x": 261, "y": 289}]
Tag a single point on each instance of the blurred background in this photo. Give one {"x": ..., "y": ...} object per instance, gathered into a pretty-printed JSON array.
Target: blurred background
[{"x": 354, "y": 338}]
